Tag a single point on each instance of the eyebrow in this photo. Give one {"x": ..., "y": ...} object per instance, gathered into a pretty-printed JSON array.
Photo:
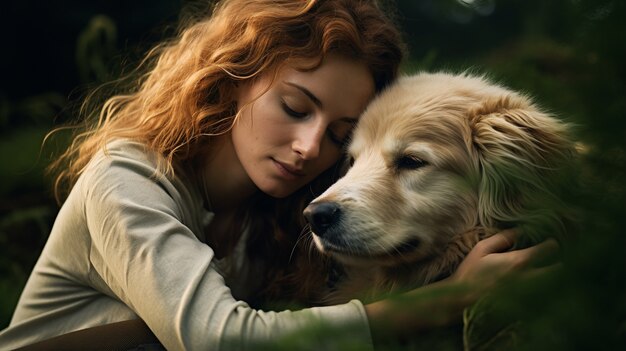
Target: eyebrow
[{"x": 307, "y": 92}]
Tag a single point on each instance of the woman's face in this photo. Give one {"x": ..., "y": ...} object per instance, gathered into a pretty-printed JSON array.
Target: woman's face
[{"x": 289, "y": 133}]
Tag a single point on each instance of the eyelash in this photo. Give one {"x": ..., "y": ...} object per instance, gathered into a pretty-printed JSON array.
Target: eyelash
[
  {"x": 299, "y": 115},
  {"x": 342, "y": 144},
  {"x": 410, "y": 162},
  {"x": 291, "y": 112},
  {"x": 337, "y": 141}
]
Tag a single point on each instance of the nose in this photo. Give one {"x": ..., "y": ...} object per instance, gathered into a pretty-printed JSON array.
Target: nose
[
  {"x": 308, "y": 141},
  {"x": 322, "y": 215}
]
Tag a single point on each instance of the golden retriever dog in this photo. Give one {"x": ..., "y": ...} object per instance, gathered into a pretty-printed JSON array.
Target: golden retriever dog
[{"x": 438, "y": 161}]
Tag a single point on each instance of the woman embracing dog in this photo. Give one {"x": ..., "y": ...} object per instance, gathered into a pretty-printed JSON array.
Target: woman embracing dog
[{"x": 182, "y": 197}]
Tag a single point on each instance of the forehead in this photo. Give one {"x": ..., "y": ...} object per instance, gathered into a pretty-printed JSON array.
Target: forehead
[{"x": 341, "y": 84}]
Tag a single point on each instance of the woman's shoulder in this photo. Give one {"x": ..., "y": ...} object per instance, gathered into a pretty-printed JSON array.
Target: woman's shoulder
[
  {"x": 124, "y": 156},
  {"x": 127, "y": 150},
  {"x": 131, "y": 170},
  {"x": 134, "y": 167}
]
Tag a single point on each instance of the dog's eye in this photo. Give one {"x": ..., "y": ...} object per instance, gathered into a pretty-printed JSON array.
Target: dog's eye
[{"x": 410, "y": 162}]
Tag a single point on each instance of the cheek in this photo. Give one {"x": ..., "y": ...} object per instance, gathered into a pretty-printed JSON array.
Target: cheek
[{"x": 258, "y": 126}]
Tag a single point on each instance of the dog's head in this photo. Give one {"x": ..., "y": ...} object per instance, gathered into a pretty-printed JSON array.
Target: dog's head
[{"x": 433, "y": 156}]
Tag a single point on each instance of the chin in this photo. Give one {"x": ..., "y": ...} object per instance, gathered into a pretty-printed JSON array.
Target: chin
[{"x": 278, "y": 192}]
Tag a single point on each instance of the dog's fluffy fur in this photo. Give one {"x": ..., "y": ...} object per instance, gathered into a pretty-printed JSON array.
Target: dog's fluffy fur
[{"x": 439, "y": 161}]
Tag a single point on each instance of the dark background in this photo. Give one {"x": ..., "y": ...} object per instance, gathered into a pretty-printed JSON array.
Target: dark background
[{"x": 568, "y": 54}]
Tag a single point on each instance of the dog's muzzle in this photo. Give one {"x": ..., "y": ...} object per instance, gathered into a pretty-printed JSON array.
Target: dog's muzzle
[{"x": 322, "y": 216}]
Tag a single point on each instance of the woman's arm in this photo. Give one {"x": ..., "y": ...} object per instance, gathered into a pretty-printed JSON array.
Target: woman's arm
[{"x": 146, "y": 255}]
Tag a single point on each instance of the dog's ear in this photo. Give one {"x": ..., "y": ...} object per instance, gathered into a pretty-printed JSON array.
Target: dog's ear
[{"x": 520, "y": 152}]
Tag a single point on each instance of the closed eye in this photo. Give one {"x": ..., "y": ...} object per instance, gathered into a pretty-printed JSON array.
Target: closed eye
[
  {"x": 340, "y": 142},
  {"x": 409, "y": 162},
  {"x": 291, "y": 112},
  {"x": 340, "y": 132}
]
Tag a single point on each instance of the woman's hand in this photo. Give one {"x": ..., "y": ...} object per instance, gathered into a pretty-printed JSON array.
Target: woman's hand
[
  {"x": 490, "y": 261},
  {"x": 442, "y": 303}
]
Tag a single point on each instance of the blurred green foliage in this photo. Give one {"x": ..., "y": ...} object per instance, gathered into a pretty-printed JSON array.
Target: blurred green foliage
[{"x": 568, "y": 54}]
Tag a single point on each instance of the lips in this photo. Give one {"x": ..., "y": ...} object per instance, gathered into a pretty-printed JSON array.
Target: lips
[{"x": 288, "y": 171}]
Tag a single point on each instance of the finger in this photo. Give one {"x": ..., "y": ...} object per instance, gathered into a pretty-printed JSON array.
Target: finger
[
  {"x": 500, "y": 241},
  {"x": 540, "y": 254},
  {"x": 540, "y": 272}
]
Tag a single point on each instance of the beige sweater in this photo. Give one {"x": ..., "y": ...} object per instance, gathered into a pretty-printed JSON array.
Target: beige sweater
[{"x": 127, "y": 244}]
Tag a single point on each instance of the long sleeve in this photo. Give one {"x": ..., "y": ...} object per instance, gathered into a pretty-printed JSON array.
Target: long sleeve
[{"x": 144, "y": 250}]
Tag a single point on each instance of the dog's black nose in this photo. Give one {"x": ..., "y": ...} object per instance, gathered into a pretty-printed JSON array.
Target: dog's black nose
[{"x": 321, "y": 216}]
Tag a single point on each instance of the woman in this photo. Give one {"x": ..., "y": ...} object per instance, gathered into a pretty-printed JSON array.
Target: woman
[{"x": 186, "y": 195}]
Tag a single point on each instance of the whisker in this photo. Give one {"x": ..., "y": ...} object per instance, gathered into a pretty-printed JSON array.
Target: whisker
[
  {"x": 304, "y": 234},
  {"x": 312, "y": 248}
]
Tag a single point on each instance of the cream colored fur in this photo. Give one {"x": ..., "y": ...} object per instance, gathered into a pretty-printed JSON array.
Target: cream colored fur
[{"x": 486, "y": 151}]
